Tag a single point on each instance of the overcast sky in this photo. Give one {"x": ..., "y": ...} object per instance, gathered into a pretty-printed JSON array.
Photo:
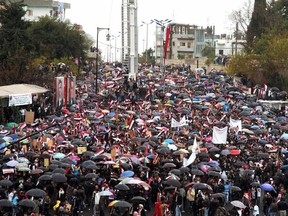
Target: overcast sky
[{"x": 107, "y": 14}]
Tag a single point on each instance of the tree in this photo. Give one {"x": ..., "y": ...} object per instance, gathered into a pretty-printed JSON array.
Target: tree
[
  {"x": 15, "y": 46},
  {"x": 242, "y": 16},
  {"x": 208, "y": 52},
  {"x": 258, "y": 22},
  {"x": 150, "y": 57},
  {"x": 55, "y": 39}
]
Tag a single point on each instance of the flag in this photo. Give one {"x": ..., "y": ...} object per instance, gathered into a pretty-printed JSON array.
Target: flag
[
  {"x": 166, "y": 43},
  {"x": 195, "y": 147},
  {"x": 99, "y": 152},
  {"x": 14, "y": 129},
  {"x": 22, "y": 125},
  {"x": 265, "y": 87},
  {"x": 190, "y": 160},
  {"x": 131, "y": 124},
  {"x": 174, "y": 123},
  {"x": 146, "y": 150}
]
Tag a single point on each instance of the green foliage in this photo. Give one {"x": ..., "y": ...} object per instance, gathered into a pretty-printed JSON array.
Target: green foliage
[
  {"x": 150, "y": 57},
  {"x": 209, "y": 52},
  {"x": 258, "y": 22},
  {"x": 27, "y": 47}
]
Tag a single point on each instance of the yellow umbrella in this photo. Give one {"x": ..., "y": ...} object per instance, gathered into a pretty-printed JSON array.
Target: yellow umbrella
[{"x": 105, "y": 111}]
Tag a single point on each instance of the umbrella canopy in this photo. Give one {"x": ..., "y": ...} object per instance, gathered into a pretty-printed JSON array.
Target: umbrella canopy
[
  {"x": 36, "y": 192},
  {"x": 27, "y": 203},
  {"x": 122, "y": 187},
  {"x": 267, "y": 187},
  {"x": 202, "y": 186},
  {"x": 173, "y": 182},
  {"x": 169, "y": 165},
  {"x": 138, "y": 199},
  {"x": 120, "y": 203},
  {"x": 238, "y": 204},
  {"x": 105, "y": 193},
  {"x": 5, "y": 203},
  {"x": 59, "y": 178},
  {"x": 45, "y": 178},
  {"x": 91, "y": 176},
  {"x": 127, "y": 173},
  {"x": 6, "y": 183}
]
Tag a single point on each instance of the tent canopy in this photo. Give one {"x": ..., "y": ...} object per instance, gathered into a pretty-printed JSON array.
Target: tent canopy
[{"x": 7, "y": 90}]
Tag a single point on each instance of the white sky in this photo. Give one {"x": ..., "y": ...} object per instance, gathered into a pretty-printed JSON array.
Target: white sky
[{"x": 107, "y": 14}]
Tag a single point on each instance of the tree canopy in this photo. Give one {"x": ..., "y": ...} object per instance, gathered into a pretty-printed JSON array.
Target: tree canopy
[
  {"x": 265, "y": 60},
  {"x": 27, "y": 46}
]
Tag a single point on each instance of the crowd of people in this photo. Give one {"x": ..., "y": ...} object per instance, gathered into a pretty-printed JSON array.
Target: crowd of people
[{"x": 164, "y": 144}]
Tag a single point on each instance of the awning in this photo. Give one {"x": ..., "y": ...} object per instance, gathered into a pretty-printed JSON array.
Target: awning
[{"x": 7, "y": 90}]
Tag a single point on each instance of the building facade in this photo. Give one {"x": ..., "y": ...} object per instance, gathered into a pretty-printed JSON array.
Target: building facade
[
  {"x": 37, "y": 8},
  {"x": 185, "y": 41}
]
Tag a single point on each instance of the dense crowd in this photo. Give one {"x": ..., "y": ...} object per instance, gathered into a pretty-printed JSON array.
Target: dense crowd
[{"x": 150, "y": 146}]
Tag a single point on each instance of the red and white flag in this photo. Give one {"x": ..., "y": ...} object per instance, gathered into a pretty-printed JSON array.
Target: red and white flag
[
  {"x": 99, "y": 152},
  {"x": 22, "y": 125}
]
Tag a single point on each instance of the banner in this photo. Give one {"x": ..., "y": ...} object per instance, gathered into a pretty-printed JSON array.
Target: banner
[
  {"x": 174, "y": 123},
  {"x": 59, "y": 91},
  {"x": 236, "y": 124},
  {"x": 29, "y": 117},
  {"x": 166, "y": 43},
  {"x": 20, "y": 99},
  {"x": 219, "y": 135}
]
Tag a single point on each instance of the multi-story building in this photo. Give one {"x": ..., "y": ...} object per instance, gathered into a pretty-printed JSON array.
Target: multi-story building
[
  {"x": 185, "y": 41},
  {"x": 38, "y": 8}
]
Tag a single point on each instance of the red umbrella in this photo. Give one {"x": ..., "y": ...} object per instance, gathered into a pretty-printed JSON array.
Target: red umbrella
[{"x": 235, "y": 152}]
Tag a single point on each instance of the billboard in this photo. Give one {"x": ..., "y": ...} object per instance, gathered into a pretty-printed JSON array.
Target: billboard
[{"x": 64, "y": 91}]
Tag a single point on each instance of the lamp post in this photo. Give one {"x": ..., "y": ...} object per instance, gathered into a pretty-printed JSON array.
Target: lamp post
[
  {"x": 162, "y": 23},
  {"x": 97, "y": 54},
  {"x": 146, "y": 53}
]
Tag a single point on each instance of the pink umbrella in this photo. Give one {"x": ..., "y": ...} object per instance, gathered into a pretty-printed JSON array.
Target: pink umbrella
[
  {"x": 75, "y": 158},
  {"x": 204, "y": 168}
]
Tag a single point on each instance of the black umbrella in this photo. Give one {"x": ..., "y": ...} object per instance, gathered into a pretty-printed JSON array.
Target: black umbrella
[
  {"x": 184, "y": 169},
  {"x": 91, "y": 176},
  {"x": 53, "y": 166},
  {"x": 235, "y": 188},
  {"x": 36, "y": 192},
  {"x": 175, "y": 172},
  {"x": 45, "y": 178},
  {"x": 201, "y": 186},
  {"x": 59, "y": 178},
  {"x": 138, "y": 199},
  {"x": 197, "y": 172},
  {"x": 169, "y": 165},
  {"x": 173, "y": 182},
  {"x": 218, "y": 195},
  {"x": 27, "y": 203},
  {"x": 120, "y": 203},
  {"x": 87, "y": 163},
  {"x": 59, "y": 170},
  {"x": 65, "y": 165},
  {"x": 88, "y": 154},
  {"x": 6, "y": 183},
  {"x": 122, "y": 187},
  {"x": 5, "y": 203},
  {"x": 67, "y": 160},
  {"x": 214, "y": 173}
]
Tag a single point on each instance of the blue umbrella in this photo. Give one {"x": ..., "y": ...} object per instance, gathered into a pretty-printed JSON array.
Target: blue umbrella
[
  {"x": 284, "y": 136},
  {"x": 267, "y": 187},
  {"x": 2, "y": 145},
  {"x": 169, "y": 141},
  {"x": 58, "y": 155},
  {"x": 127, "y": 173},
  {"x": 111, "y": 114}
]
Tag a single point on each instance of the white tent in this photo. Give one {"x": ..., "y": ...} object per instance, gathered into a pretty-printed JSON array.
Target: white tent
[{"x": 6, "y": 91}]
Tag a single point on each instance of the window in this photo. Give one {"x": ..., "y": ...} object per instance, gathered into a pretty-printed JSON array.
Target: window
[
  {"x": 182, "y": 44},
  {"x": 221, "y": 52},
  {"x": 173, "y": 43},
  {"x": 189, "y": 45}
]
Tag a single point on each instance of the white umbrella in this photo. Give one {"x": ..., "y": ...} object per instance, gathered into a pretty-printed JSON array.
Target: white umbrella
[
  {"x": 105, "y": 193},
  {"x": 238, "y": 204}
]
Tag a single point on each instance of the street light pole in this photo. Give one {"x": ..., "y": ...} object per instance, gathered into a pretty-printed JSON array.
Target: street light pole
[
  {"x": 162, "y": 23},
  {"x": 97, "y": 56}
]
